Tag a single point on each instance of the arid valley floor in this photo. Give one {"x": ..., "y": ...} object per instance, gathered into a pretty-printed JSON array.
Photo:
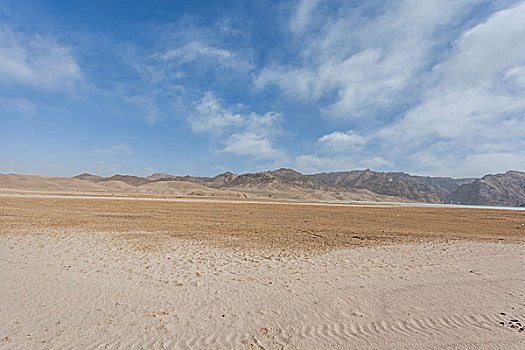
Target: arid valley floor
[{"x": 89, "y": 273}]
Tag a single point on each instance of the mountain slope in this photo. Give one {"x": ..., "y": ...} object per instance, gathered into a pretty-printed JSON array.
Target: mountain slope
[
  {"x": 358, "y": 185},
  {"x": 186, "y": 178},
  {"x": 13, "y": 182},
  {"x": 282, "y": 183},
  {"x": 128, "y": 179},
  {"x": 233, "y": 186},
  {"x": 418, "y": 188},
  {"x": 501, "y": 190},
  {"x": 398, "y": 185}
]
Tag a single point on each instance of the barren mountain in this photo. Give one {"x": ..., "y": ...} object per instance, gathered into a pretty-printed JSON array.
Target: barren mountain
[
  {"x": 278, "y": 184},
  {"x": 89, "y": 177},
  {"x": 358, "y": 185},
  {"x": 133, "y": 185},
  {"x": 417, "y": 188},
  {"x": 501, "y": 189},
  {"x": 505, "y": 189},
  {"x": 228, "y": 179},
  {"x": 186, "y": 178},
  {"x": 129, "y": 179}
]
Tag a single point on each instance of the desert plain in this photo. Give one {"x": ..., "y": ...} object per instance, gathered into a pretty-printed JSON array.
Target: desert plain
[{"x": 124, "y": 273}]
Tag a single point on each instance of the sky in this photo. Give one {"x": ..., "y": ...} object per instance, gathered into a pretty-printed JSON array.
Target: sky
[{"x": 434, "y": 87}]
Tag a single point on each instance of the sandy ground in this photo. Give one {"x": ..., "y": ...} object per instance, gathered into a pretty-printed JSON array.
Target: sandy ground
[
  {"x": 260, "y": 225},
  {"x": 74, "y": 279}
]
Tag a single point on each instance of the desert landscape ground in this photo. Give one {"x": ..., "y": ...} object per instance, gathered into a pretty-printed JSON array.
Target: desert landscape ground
[
  {"x": 92, "y": 273},
  {"x": 265, "y": 174}
]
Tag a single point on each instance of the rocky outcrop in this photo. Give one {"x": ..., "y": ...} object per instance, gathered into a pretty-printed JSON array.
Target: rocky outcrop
[
  {"x": 417, "y": 188},
  {"x": 500, "y": 190},
  {"x": 228, "y": 179}
]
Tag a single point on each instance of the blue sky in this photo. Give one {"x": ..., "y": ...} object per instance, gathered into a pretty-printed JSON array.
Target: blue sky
[{"x": 431, "y": 87}]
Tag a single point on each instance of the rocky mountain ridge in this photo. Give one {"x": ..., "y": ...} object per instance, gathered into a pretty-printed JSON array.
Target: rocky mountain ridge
[
  {"x": 409, "y": 187},
  {"x": 418, "y": 188},
  {"x": 498, "y": 190},
  {"x": 501, "y": 189}
]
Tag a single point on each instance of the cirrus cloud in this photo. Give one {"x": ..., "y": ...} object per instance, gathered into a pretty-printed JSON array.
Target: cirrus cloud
[
  {"x": 469, "y": 106},
  {"x": 36, "y": 61}
]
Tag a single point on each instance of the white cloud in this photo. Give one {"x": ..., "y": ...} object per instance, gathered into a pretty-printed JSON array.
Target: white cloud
[
  {"x": 313, "y": 164},
  {"x": 17, "y": 105},
  {"x": 180, "y": 62},
  {"x": 302, "y": 15},
  {"x": 36, "y": 61},
  {"x": 469, "y": 114},
  {"x": 211, "y": 116},
  {"x": 251, "y": 144},
  {"x": 233, "y": 27},
  {"x": 245, "y": 134},
  {"x": 121, "y": 148},
  {"x": 472, "y": 112},
  {"x": 487, "y": 49},
  {"x": 182, "y": 50},
  {"x": 195, "y": 57},
  {"x": 515, "y": 77},
  {"x": 363, "y": 66},
  {"x": 341, "y": 151},
  {"x": 298, "y": 83},
  {"x": 470, "y": 165},
  {"x": 338, "y": 142},
  {"x": 476, "y": 164},
  {"x": 147, "y": 104},
  {"x": 198, "y": 51}
]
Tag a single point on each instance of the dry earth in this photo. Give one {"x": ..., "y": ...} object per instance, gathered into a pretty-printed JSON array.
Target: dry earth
[
  {"x": 100, "y": 273},
  {"x": 266, "y": 225}
]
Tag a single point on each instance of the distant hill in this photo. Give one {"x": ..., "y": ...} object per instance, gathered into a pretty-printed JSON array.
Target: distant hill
[
  {"x": 418, "y": 188},
  {"x": 357, "y": 185},
  {"x": 46, "y": 184},
  {"x": 129, "y": 179},
  {"x": 89, "y": 177},
  {"x": 228, "y": 179},
  {"x": 187, "y": 178},
  {"x": 282, "y": 183},
  {"x": 501, "y": 190},
  {"x": 505, "y": 189}
]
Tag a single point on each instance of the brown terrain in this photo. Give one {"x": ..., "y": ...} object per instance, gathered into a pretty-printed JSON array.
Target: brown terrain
[
  {"x": 110, "y": 266},
  {"x": 269, "y": 225}
]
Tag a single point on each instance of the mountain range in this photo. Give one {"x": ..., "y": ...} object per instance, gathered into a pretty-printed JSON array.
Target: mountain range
[
  {"x": 506, "y": 189},
  {"x": 501, "y": 189}
]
